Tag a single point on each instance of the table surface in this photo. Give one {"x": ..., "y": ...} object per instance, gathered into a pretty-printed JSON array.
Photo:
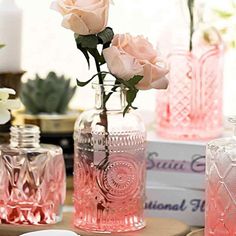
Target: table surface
[
  {"x": 197, "y": 233},
  {"x": 155, "y": 227}
]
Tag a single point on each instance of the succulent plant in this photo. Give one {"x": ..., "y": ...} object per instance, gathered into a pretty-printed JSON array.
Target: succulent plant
[{"x": 49, "y": 95}]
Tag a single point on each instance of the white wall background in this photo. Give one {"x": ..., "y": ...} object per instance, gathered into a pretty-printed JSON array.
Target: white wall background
[{"x": 48, "y": 46}]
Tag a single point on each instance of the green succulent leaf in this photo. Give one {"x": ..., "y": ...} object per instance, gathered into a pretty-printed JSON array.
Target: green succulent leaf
[
  {"x": 52, "y": 75},
  {"x": 68, "y": 93},
  {"x": 26, "y": 99},
  {"x": 52, "y": 102},
  {"x": 49, "y": 95}
]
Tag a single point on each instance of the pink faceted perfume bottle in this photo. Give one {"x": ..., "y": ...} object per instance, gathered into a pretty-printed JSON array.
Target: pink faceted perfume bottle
[
  {"x": 220, "y": 212},
  {"x": 109, "y": 166},
  {"x": 32, "y": 179}
]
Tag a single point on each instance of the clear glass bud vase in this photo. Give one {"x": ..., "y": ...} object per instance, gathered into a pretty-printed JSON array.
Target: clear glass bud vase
[
  {"x": 109, "y": 166},
  {"x": 32, "y": 179},
  {"x": 220, "y": 212}
]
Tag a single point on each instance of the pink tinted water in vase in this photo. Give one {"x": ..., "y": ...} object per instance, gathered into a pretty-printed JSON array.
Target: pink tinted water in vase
[
  {"x": 109, "y": 193},
  {"x": 191, "y": 108},
  {"x": 32, "y": 180},
  {"x": 110, "y": 198},
  {"x": 109, "y": 170}
]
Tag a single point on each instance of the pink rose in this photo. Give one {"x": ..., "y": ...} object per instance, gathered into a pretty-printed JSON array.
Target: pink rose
[
  {"x": 84, "y": 17},
  {"x": 129, "y": 56}
]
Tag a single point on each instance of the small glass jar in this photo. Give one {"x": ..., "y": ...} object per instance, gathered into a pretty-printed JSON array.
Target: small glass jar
[
  {"x": 32, "y": 179},
  {"x": 109, "y": 165},
  {"x": 220, "y": 186}
]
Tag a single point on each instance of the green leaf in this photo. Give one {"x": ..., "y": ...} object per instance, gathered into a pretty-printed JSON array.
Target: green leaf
[
  {"x": 85, "y": 52},
  {"x": 131, "y": 82},
  {"x": 107, "y": 96},
  {"x": 135, "y": 80},
  {"x": 126, "y": 110},
  {"x": 94, "y": 52},
  {"x": 82, "y": 84},
  {"x": 87, "y": 41},
  {"x": 130, "y": 97},
  {"x": 2, "y": 45},
  {"x": 223, "y": 14},
  {"x": 106, "y": 36}
]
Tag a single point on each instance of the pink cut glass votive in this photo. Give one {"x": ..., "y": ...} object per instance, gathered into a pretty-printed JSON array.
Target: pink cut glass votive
[{"x": 191, "y": 107}]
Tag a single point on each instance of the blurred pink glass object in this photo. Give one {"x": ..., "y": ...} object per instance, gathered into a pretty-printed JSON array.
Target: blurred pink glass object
[
  {"x": 220, "y": 211},
  {"x": 191, "y": 107},
  {"x": 32, "y": 179},
  {"x": 109, "y": 166}
]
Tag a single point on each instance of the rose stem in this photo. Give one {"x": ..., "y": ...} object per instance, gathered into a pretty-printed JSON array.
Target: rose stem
[
  {"x": 103, "y": 115},
  {"x": 190, "y": 7}
]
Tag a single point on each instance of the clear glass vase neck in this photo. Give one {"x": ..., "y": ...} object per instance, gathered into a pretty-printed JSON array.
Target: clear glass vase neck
[
  {"x": 25, "y": 136},
  {"x": 109, "y": 97}
]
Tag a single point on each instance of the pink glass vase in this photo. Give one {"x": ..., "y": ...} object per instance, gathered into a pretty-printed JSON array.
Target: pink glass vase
[
  {"x": 220, "y": 212},
  {"x": 109, "y": 166},
  {"x": 191, "y": 107},
  {"x": 32, "y": 179}
]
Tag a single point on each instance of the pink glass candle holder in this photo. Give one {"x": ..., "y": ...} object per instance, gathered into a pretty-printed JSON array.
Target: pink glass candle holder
[
  {"x": 109, "y": 167},
  {"x": 32, "y": 179},
  {"x": 191, "y": 108},
  {"x": 220, "y": 212}
]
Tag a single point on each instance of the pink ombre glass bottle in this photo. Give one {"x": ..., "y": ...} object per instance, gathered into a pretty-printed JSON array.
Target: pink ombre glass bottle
[
  {"x": 220, "y": 212},
  {"x": 109, "y": 166},
  {"x": 32, "y": 179},
  {"x": 191, "y": 107}
]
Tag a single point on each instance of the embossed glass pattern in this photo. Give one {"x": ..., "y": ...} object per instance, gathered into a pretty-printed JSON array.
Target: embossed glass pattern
[
  {"x": 32, "y": 179},
  {"x": 109, "y": 168},
  {"x": 220, "y": 187},
  {"x": 191, "y": 108}
]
